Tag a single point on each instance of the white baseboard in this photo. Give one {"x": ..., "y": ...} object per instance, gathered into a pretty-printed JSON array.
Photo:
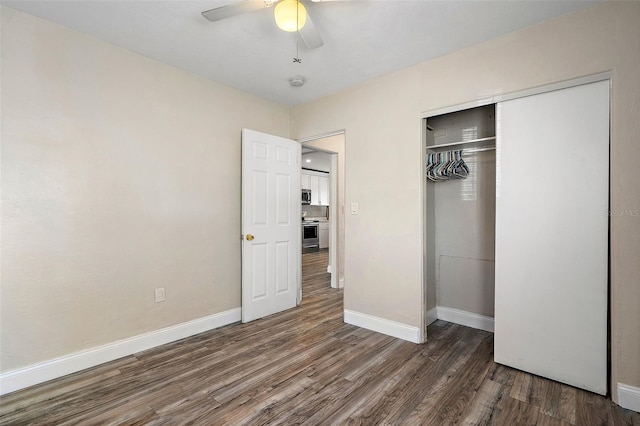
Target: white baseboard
[
  {"x": 384, "y": 326},
  {"x": 413, "y": 334},
  {"x": 432, "y": 315},
  {"x": 629, "y": 397},
  {"x": 465, "y": 318},
  {"x": 38, "y": 373}
]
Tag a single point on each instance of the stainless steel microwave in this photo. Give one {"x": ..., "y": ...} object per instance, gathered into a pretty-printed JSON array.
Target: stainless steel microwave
[{"x": 306, "y": 196}]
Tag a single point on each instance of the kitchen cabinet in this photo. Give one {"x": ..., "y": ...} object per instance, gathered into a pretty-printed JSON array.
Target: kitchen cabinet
[
  {"x": 318, "y": 183},
  {"x": 315, "y": 190},
  {"x": 323, "y": 191},
  {"x": 305, "y": 180},
  {"x": 323, "y": 234}
]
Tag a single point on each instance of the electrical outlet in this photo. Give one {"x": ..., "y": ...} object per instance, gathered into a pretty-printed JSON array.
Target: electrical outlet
[{"x": 159, "y": 294}]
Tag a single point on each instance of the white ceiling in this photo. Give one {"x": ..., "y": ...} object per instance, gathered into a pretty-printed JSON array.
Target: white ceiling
[
  {"x": 363, "y": 39},
  {"x": 316, "y": 160}
]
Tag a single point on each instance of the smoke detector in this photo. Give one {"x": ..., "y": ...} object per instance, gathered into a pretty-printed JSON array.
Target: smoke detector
[{"x": 297, "y": 81}]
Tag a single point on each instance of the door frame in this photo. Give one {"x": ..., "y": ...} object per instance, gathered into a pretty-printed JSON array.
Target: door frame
[
  {"x": 564, "y": 84},
  {"x": 335, "y": 254}
]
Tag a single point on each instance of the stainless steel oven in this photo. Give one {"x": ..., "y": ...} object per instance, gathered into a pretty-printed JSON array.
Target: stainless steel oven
[{"x": 310, "y": 240}]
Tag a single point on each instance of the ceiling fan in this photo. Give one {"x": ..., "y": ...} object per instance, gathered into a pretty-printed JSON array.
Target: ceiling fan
[{"x": 290, "y": 15}]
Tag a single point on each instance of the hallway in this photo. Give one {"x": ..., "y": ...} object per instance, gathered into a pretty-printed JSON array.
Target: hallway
[{"x": 315, "y": 278}]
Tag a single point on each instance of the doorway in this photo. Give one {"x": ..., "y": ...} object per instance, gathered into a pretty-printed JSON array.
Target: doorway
[{"x": 326, "y": 156}]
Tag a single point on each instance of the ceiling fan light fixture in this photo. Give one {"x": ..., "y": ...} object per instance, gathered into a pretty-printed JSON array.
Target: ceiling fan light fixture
[{"x": 290, "y": 15}]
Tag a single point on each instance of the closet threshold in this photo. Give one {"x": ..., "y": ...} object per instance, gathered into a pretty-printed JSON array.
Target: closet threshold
[{"x": 473, "y": 143}]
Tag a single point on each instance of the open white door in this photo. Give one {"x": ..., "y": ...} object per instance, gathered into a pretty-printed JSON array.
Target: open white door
[
  {"x": 552, "y": 235},
  {"x": 270, "y": 224}
]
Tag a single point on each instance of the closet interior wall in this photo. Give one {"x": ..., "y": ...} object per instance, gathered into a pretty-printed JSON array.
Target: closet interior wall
[{"x": 461, "y": 217}]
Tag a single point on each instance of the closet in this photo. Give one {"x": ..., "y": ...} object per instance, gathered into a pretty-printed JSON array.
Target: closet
[
  {"x": 520, "y": 245},
  {"x": 461, "y": 218}
]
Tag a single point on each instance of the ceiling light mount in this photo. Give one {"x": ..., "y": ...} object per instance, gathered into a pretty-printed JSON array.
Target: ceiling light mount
[{"x": 297, "y": 81}]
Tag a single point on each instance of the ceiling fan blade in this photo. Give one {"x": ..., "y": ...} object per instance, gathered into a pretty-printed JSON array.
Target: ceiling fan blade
[
  {"x": 309, "y": 34},
  {"x": 233, "y": 9}
]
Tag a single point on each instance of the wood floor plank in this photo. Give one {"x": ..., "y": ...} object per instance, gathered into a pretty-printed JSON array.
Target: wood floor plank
[
  {"x": 484, "y": 404},
  {"x": 546, "y": 420},
  {"x": 27, "y": 398},
  {"x": 502, "y": 374},
  {"x": 453, "y": 402},
  {"x": 369, "y": 385},
  {"x": 591, "y": 410},
  {"x": 521, "y": 389},
  {"x": 566, "y": 408},
  {"x": 515, "y": 412},
  {"x": 418, "y": 391},
  {"x": 379, "y": 405},
  {"x": 306, "y": 366}
]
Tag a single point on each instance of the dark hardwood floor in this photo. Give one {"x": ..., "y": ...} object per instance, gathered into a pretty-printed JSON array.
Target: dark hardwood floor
[{"x": 305, "y": 366}]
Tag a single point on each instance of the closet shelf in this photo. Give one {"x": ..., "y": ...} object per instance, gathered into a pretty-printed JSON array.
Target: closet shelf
[{"x": 488, "y": 142}]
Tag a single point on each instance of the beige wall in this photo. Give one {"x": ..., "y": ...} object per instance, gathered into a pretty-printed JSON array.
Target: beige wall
[
  {"x": 381, "y": 117},
  {"x": 119, "y": 174},
  {"x": 383, "y": 247},
  {"x": 336, "y": 144}
]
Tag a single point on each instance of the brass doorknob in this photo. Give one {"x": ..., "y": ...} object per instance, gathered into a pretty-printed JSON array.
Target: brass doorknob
[{"x": 249, "y": 237}]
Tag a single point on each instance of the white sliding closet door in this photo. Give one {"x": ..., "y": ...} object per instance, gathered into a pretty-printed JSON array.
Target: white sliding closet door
[{"x": 552, "y": 198}]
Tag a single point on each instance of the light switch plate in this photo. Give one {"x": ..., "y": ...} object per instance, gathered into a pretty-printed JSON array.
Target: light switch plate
[
  {"x": 159, "y": 294},
  {"x": 354, "y": 208}
]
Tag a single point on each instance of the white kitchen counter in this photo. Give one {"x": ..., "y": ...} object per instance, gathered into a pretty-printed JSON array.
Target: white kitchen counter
[{"x": 319, "y": 219}]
